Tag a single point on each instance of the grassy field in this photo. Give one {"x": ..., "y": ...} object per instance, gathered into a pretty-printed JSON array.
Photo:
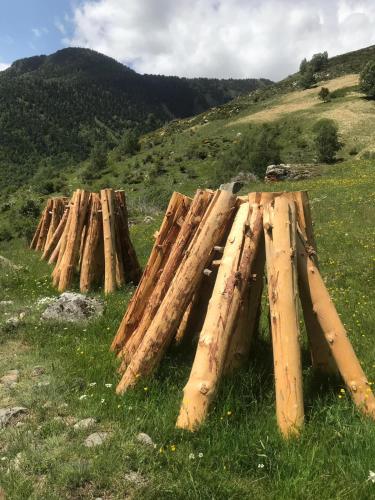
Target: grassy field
[{"x": 238, "y": 453}]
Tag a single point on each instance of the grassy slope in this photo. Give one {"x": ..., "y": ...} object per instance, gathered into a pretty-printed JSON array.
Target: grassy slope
[{"x": 243, "y": 454}]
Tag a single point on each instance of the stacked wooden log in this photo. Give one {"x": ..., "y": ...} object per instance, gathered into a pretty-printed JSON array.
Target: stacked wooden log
[
  {"x": 205, "y": 277},
  {"x": 88, "y": 236}
]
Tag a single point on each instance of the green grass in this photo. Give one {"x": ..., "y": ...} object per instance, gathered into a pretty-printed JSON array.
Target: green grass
[{"x": 243, "y": 455}]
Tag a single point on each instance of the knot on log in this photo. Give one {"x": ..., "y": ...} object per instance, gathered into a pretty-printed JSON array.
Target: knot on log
[{"x": 203, "y": 389}]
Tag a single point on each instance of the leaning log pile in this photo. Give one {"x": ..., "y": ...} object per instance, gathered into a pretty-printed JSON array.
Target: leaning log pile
[
  {"x": 88, "y": 236},
  {"x": 205, "y": 278}
]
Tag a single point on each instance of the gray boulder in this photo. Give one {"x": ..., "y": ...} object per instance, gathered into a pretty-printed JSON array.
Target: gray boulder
[
  {"x": 7, "y": 414},
  {"x": 73, "y": 307},
  {"x": 277, "y": 172},
  {"x": 96, "y": 439},
  {"x": 232, "y": 187}
]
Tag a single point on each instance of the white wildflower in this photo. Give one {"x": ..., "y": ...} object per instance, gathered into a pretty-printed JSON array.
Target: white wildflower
[
  {"x": 260, "y": 466},
  {"x": 92, "y": 384},
  {"x": 200, "y": 455},
  {"x": 108, "y": 385},
  {"x": 371, "y": 476},
  {"x": 191, "y": 456},
  {"x": 84, "y": 396},
  {"x": 102, "y": 401}
]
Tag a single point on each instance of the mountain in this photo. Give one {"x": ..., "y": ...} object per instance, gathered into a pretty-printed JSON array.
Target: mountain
[{"x": 59, "y": 105}]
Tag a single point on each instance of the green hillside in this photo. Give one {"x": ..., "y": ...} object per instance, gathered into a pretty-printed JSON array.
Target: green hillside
[
  {"x": 58, "y": 106},
  {"x": 238, "y": 453}
]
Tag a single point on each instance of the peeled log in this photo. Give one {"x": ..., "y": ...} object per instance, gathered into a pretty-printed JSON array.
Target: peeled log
[
  {"x": 37, "y": 232},
  {"x": 94, "y": 235},
  {"x": 248, "y": 321},
  {"x": 322, "y": 307},
  {"x": 279, "y": 226},
  {"x": 71, "y": 254},
  {"x": 229, "y": 291},
  {"x": 107, "y": 200},
  {"x": 321, "y": 355},
  {"x": 50, "y": 247},
  {"x": 132, "y": 269},
  {"x": 197, "y": 209},
  {"x": 45, "y": 226},
  {"x": 170, "y": 227},
  {"x": 181, "y": 290}
]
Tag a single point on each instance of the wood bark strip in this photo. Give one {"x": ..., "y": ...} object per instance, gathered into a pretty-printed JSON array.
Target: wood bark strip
[
  {"x": 165, "y": 238},
  {"x": 229, "y": 292},
  {"x": 322, "y": 307},
  {"x": 193, "y": 218},
  {"x": 279, "y": 227},
  {"x": 181, "y": 290}
]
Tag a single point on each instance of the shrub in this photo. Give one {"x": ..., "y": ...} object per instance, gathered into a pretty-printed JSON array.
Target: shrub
[
  {"x": 257, "y": 148},
  {"x": 98, "y": 162},
  {"x": 307, "y": 78},
  {"x": 326, "y": 140},
  {"x": 129, "y": 143},
  {"x": 324, "y": 94},
  {"x": 30, "y": 208},
  {"x": 367, "y": 80}
]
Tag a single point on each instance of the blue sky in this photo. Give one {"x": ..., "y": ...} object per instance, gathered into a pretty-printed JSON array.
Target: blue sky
[
  {"x": 213, "y": 38},
  {"x": 29, "y": 27}
]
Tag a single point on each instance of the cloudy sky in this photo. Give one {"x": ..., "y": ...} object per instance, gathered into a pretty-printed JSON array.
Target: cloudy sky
[{"x": 215, "y": 38}]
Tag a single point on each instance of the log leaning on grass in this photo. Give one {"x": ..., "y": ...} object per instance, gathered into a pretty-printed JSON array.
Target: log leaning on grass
[
  {"x": 50, "y": 247},
  {"x": 45, "y": 226},
  {"x": 165, "y": 238},
  {"x": 192, "y": 220},
  {"x": 180, "y": 292},
  {"x": 321, "y": 355},
  {"x": 229, "y": 292},
  {"x": 280, "y": 228},
  {"x": 322, "y": 307}
]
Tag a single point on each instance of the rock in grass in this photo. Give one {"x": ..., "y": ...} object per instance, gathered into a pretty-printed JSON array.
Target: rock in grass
[
  {"x": 145, "y": 439},
  {"x": 7, "y": 415},
  {"x": 84, "y": 424},
  {"x": 96, "y": 439},
  {"x": 37, "y": 371},
  {"x": 232, "y": 187},
  {"x": 6, "y": 263},
  {"x": 73, "y": 307},
  {"x": 10, "y": 379},
  {"x": 135, "y": 478}
]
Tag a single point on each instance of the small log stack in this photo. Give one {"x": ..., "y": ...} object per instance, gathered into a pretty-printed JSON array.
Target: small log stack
[
  {"x": 205, "y": 278},
  {"x": 88, "y": 236}
]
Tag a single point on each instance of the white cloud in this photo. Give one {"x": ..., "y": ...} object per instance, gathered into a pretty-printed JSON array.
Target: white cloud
[
  {"x": 39, "y": 32},
  {"x": 60, "y": 26},
  {"x": 221, "y": 38},
  {"x": 3, "y": 66}
]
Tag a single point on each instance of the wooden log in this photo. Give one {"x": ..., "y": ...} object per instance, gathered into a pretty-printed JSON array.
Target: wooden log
[
  {"x": 321, "y": 355},
  {"x": 107, "y": 199},
  {"x": 45, "y": 226},
  {"x": 51, "y": 246},
  {"x": 71, "y": 254},
  {"x": 165, "y": 238},
  {"x": 58, "y": 253},
  {"x": 193, "y": 218},
  {"x": 229, "y": 291},
  {"x": 94, "y": 235},
  {"x": 248, "y": 321},
  {"x": 279, "y": 226},
  {"x": 130, "y": 264},
  {"x": 37, "y": 231},
  {"x": 58, "y": 206},
  {"x": 322, "y": 307},
  {"x": 181, "y": 290}
]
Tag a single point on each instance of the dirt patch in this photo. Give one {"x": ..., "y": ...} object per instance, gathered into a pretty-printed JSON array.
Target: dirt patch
[{"x": 297, "y": 101}]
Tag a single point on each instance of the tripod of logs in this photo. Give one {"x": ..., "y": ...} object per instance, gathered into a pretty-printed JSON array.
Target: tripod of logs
[
  {"x": 88, "y": 234},
  {"x": 205, "y": 277}
]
